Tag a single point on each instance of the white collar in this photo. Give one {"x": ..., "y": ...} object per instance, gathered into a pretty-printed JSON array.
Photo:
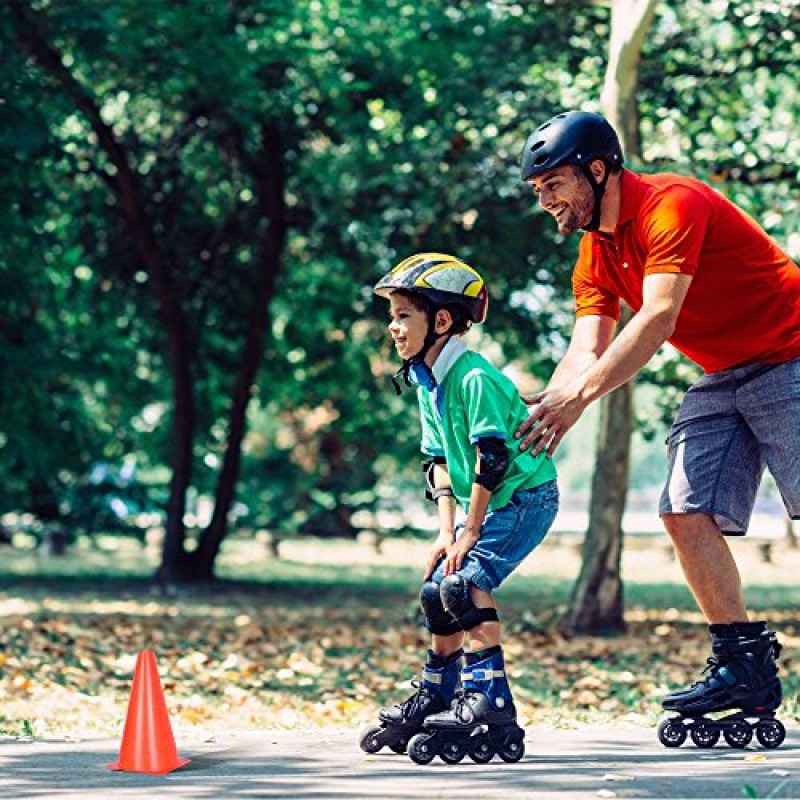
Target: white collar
[{"x": 448, "y": 356}]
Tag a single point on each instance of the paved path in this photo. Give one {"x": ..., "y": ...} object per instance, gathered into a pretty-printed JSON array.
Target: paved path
[{"x": 615, "y": 761}]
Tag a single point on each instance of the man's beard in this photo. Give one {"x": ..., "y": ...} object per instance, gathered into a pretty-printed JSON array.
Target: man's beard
[{"x": 579, "y": 214}]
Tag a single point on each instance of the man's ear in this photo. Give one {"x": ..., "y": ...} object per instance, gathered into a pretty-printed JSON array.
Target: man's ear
[
  {"x": 598, "y": 169},
  {"x": 444, "y": 321}
]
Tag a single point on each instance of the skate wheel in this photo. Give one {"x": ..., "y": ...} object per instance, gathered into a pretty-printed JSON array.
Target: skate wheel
[
  {"x": 399, "y": 747},
  {"x": 771, "y": 733},
  {"x": 421, "y": 749},
  {"x": 452, "y": 752},
  {"x": 370, "y": 739},
  {"x": 513, "y": 749},
  {"x": 738, "y": 735},
  {"x": 703, "y": 735},
  {"x": 481, "y": 751},
  {"x": 672, "y": 733}
]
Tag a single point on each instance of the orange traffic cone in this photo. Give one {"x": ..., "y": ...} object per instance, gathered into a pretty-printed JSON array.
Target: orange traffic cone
[{"x": 147, "y": 741}]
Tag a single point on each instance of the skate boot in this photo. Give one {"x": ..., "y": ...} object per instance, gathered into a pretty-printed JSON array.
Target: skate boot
[
  {"x": 398, "y": 723},
  {"x": 482, "y": 721},
  {"x": 741, "y": 674}
]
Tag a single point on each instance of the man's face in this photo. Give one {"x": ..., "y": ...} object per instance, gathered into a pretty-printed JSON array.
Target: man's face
[
  {"x": 565, "y": 192},
  {"x": 408, "y": 326}
]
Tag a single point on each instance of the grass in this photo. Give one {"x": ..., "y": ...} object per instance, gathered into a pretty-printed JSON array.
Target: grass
[{"x": 330, "y": 632}]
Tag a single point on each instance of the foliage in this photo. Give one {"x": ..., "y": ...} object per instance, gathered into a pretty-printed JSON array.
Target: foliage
[{"x": 399, "y": 127}]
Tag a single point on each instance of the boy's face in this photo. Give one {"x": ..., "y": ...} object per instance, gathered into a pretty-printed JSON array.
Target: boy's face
[{"x": 408, "y": 326}]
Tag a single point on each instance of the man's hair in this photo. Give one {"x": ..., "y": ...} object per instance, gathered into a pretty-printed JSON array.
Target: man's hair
[
  {"x": 611, "y": 169},
  {"x": 461, "y": 321}
]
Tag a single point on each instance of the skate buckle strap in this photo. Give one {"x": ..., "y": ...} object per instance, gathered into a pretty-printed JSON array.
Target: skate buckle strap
[
  {"x": 432, "y": 677},
  {"x": 482, "y": 674}
]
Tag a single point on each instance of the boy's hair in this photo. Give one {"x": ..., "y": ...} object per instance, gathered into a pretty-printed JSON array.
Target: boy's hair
[{"x": 461, "y": 322}]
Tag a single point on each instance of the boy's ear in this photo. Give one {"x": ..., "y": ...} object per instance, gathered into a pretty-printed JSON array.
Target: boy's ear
[{"x": 444, "y": 321}]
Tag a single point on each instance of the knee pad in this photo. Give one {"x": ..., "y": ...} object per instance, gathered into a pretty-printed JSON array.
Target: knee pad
[
  {"x": 457, "y": 600},
  {"x": 437, "y": 619}
]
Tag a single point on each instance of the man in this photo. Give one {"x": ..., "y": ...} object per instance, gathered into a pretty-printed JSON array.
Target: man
[{"x": 701, "y": 274}]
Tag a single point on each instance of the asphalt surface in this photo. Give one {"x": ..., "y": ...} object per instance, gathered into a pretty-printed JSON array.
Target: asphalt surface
[{"x": 590, "y": 761}]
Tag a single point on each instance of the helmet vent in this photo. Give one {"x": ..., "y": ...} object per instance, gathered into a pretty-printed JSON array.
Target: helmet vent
[{"x": 542, "y": 157}]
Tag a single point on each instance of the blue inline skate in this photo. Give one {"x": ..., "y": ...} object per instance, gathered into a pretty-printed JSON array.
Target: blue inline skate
[
  {"x": 481, "y": 723},
  {"x": 742, "y": 673},
  {"x": 398, "y": 723}
]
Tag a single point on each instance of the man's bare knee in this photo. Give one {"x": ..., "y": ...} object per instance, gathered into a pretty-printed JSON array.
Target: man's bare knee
[{"x": 680, "y": 525}]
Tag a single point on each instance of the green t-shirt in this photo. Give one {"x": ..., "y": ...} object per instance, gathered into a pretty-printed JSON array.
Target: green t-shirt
[{"x": 473, "y": 400}]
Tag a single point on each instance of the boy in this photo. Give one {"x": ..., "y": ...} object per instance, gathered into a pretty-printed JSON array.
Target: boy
[{"x": 469, "y": 410}]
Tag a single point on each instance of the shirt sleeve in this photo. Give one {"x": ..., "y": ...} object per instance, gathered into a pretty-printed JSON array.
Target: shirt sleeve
[
  {"x": 590, "y": 297},
  {"x": 674, "y": 229},
  {"x": 484, "y": 404},
  {"x": 432, "y": 444}
]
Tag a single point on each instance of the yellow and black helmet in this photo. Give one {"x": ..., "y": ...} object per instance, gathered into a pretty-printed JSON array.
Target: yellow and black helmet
[{"x": 441, "y": 278}]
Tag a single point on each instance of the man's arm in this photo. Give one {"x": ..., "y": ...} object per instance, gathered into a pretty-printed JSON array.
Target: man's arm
[
  {"x": 591, "y": 337},
  {"x": 561, "y": 404}
]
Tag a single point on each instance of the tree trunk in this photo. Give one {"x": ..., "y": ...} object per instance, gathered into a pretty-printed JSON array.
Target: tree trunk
[
  {"x": 597, "y": 597},
  {"x": 126, "y": 185},
  {"x": 630, "y": 21},
  {"x": 791, "y": 535},
  {"x": 271, "y": 185}
]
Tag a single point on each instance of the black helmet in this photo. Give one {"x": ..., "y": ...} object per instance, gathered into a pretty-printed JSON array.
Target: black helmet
[
  {"x": 572, "y": 137},
  {"x": 443, "y": 279}
]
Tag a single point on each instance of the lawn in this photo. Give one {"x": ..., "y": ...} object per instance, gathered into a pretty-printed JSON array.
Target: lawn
[{"x": 330, "y": 632}]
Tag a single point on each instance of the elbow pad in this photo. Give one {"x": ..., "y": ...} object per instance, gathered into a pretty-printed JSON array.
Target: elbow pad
[
  {"x": 494, "y": 460},
  {"x": 432, "y": 492}
]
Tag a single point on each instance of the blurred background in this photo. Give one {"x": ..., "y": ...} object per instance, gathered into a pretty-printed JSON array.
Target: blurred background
[{"x": 199, "y": 195}]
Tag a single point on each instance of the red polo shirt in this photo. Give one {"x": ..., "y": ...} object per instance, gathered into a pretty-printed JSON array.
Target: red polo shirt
[{"x": 743, "y": 304}]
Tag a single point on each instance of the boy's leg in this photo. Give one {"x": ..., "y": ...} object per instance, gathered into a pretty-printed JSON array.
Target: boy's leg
[
  {"x": 445, "y": 645},
  {"x": 438, "y": 684},
  {"x": 487, "y": 634},
  {"x": 435, "y": 691},
  {"x": 482, "y": 720}
]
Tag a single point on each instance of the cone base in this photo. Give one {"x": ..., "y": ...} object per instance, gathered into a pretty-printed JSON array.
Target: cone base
[{"x": 116, "y": 766}]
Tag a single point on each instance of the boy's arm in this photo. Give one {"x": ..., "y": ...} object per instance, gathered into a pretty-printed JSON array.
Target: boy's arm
[
  {"x": 441, "y": 492},
  {"x": 490, "y": 467},
  {"x": 445, "y": 505}
]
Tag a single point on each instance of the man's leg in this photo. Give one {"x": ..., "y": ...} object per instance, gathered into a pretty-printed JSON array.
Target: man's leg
[{"x": 708, "y": 565}]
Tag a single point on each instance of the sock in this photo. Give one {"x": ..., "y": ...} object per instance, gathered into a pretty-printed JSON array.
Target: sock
[{"x": 739, "y": 630}]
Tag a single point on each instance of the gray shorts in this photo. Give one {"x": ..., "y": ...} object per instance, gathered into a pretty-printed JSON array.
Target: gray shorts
[{"x": 730, "y": 426}]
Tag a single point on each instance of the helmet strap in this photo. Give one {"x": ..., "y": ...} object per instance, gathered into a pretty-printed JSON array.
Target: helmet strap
[
  {"x": 418, "y": 359},
  {"x": 598, "y": 189}
]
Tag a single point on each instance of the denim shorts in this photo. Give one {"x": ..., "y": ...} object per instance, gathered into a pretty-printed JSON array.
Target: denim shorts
[
  {"x": 730, "y": 426},
  {"x": 508, "y": 535}
]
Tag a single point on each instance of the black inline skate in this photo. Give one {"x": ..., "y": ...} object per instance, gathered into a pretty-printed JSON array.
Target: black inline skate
[
  {"x": 481, "y": 723},
  {"x": 741, "y": 674},
  {"x": 398, "y": 723}
]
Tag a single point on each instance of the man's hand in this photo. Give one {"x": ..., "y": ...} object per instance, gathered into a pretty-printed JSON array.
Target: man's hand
[
  {"x": 458, "y": 550},
  {"x": 553, "y": 413},
  {"x": 437, "y": 551}
]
